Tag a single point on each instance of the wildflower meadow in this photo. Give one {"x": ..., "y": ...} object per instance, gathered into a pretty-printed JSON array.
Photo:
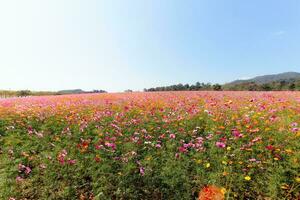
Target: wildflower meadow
[{"x": 160, "y": 145}]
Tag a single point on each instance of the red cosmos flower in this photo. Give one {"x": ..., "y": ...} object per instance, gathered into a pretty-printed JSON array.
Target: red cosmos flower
[
  {"x": 223, "y": 139},
  {"x": 270, "y": 147},
  {"x": 97, "y": 158}
]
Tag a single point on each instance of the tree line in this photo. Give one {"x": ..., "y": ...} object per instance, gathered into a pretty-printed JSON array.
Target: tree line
[
  {"x": 183, "y": 87},
  {"x": 292, "y": 85},
  {"x": 24, "y": 93}
]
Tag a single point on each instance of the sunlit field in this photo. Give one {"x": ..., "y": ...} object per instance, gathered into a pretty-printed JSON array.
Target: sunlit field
[{"x": 168, "y": 145}]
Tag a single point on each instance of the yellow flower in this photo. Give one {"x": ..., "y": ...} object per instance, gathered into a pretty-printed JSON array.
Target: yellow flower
[
  {"x": 198, "y": 161},
  {"x": 228, "y": 148},
  {"x": 297, "y": 179},
  {"x": 289, "y": 151},
  {"x": 247, "y": 178},
  {"x": 285, "y": 186},
  {"x": 207, "y": 165},
  {"x": 24, "y": 154},
  {"x": 223, "y": 190},
  {"x": 224, "y": 162},
  {"x": 276, "y": 158},
  {"x": 148, "y": 158}
]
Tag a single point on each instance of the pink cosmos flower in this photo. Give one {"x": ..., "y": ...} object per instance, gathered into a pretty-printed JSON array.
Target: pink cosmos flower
[
  {"x": 61, "y": 156},
  {"x": 182, "y": 149},
  {"x": 39, "y": 134},
  {"x": 21, "y": 167},
  {"x": 209, "y": 136},
  {"x": 19, "y": 179},
  {"x": 27, "y": 170},
  {"x": 71, "y": 162},
  {"x": 294, "y": 124},
  {"x": 43, "y": 166},
  {"x": 10, "y": 152},
  {"x": 111, "y": 145},
  {"x": 257, "y": 139},
  {"x": 172, "y": 136},
  {"x": 236, "y": 133},
  {"x": 98, "y": 147},
  {"x": 142, "y": 171},
  {"x": 295, "y": 129},
  {"x": 220, "y": 144}
]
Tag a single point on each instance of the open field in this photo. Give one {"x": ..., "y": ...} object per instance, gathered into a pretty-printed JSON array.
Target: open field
[{"x": 166, "y": 145}]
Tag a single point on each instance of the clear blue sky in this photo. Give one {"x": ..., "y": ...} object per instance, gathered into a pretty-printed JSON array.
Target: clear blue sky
[{"x": 121, "y": 44}]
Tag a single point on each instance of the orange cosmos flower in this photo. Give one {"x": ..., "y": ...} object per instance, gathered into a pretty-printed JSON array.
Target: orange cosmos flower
[{"x": 211, "y": 192}]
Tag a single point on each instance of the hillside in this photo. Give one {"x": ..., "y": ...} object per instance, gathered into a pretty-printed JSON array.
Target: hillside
[
  {"x": 282, "y": 81},
  {"x": 287, "y": 76}
]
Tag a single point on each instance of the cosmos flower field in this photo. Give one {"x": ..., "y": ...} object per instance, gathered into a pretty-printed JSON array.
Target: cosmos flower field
[{"x": 164, "y": 145}]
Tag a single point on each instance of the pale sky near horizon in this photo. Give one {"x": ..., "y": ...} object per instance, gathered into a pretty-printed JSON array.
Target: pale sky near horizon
[{"x": 132, "y": 44}]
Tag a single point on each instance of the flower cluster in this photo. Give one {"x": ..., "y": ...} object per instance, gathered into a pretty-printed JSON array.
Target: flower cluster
[{"x": 151, "y": 146}]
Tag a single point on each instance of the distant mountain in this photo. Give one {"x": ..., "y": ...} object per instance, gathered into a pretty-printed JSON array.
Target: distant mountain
[
  {"x": 76, "y": 91},
  {"x": 79, "y": 91},
  {"x": 287, "y": 76}
]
